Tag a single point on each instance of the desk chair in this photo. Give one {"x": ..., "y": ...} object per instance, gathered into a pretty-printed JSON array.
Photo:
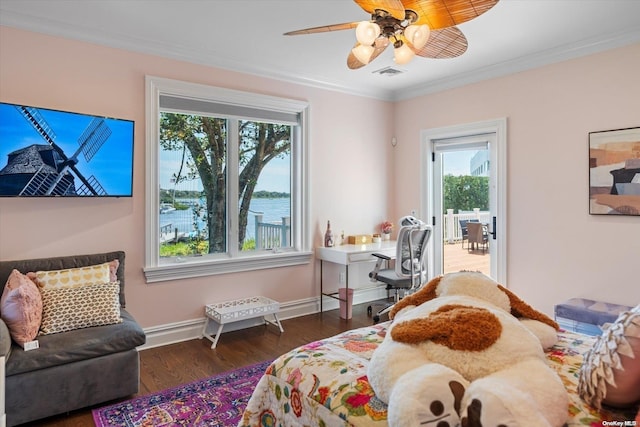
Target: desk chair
[
  {"x": 410, "y": 270},
  {"x": 478, "y": 235}
]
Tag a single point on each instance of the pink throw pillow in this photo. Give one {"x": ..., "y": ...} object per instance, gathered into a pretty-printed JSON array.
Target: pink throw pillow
[{"x": 21, "y": 307}]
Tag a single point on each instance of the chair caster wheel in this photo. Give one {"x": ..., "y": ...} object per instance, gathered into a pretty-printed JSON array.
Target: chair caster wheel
[{"x": 369, "y": 310}]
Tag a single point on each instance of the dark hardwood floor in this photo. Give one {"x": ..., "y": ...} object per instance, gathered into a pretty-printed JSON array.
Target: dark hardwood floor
[{"x": 188, "y": 361}]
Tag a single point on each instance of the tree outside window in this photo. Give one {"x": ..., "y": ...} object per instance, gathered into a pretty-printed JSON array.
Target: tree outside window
[
  {"x": 195, "y": 148},
  {"x": 230, "y": 174}
]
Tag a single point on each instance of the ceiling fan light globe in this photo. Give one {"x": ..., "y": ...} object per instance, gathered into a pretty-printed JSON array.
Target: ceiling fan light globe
[
  {"x": 403, "y": 54},
  {"x": 417, "y": 35},
  {"x": 367, "y": 32},
  {"x": 363, "y": 53}
]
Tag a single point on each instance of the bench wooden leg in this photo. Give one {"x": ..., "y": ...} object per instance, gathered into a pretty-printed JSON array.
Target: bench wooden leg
[
  {"x": 213, "y": 339},
  {"x": 276, "y": 323}
]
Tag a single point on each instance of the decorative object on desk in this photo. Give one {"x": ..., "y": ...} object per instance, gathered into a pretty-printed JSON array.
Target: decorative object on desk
[
  {"x": 386, "y": 227},
  {"x": 614, "y": 172},
  {"x": 218, "y": 400},
  {"x": 328, "y": 236},
  {"x": 360, "y": 239},
  {"x": 377, "y": 238},
  {"x": 338, "y": 239}
]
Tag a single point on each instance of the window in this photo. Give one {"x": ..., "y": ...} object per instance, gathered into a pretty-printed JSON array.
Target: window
[{"x": 227, "y": 186}]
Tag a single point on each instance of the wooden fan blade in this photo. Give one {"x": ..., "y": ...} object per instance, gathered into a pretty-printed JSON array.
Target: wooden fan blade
[
  {"x": 445, "y": 43},
  {"x": 393, "y": 7},
  {"x": 323, "y": 29},
  {"x": 380, "y": 45},
  {"x": 353, "y": 63},
  {"x": 439, "y": 14}
]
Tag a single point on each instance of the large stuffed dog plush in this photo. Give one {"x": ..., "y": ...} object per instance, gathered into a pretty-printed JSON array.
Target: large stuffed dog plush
[{"x": 464, "y": 350}]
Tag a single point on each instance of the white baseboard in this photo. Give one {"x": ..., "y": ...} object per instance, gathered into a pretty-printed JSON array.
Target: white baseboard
[{"x": 172, "y": 333}]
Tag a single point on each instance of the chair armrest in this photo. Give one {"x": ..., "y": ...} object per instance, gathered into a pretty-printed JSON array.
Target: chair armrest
[
  {"x": 5, "y": 340},
  {"x": 373, "y": 275}
]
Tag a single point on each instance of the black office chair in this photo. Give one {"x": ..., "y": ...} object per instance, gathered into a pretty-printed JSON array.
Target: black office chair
[{"x": 410, "y": 271}]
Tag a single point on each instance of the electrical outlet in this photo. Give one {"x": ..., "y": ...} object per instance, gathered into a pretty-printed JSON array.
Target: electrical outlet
[{"x": 342, "y": 278}]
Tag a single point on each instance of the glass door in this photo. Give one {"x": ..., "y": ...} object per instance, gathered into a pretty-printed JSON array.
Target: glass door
[{"x": 461, "y": 196}]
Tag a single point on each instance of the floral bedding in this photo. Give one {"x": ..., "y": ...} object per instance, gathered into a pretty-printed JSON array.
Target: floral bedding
[{"x": 324, "y": 383}]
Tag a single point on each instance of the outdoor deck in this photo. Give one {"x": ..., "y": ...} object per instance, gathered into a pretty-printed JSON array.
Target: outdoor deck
[{"x": 456, "y": 259}]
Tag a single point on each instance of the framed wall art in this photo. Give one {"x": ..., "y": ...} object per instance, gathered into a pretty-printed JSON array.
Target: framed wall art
[{"x": 614, "y": 172}]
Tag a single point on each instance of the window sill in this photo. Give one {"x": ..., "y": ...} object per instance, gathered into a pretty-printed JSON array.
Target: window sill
[{"x": 210, "y": 267}]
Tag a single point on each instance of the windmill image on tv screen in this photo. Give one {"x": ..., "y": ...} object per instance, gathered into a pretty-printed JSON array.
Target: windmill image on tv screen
[{"x": 58, "y": 153}]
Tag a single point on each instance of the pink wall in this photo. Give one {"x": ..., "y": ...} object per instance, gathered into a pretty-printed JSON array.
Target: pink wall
[
  {"x": 351, "y": 160},
  {"x": 556, "y": 250}
]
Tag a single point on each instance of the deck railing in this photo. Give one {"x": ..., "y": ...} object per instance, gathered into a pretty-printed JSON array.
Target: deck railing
[
  {"x": 452, "y": 231},
  {"x": 278, "y": 235},
  {"x": 170, "y": 234},
  {"x": 269, "y": 235}
]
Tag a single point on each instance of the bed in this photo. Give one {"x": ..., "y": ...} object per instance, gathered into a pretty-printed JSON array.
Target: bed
[{"x": 324, "y": 383}]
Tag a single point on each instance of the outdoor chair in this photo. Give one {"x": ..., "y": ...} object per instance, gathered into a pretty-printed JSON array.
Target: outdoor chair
[
  {"x": 463, "y": 228},
  {"x": 477, "y": 236}
]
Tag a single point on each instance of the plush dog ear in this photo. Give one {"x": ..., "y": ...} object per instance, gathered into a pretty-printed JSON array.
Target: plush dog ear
[
  {"x": 520, "y": 308},
  {"x": 424, "y": 294}
]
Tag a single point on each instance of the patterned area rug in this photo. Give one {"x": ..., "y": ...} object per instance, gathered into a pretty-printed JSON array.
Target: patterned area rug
[{"x": 215, "y": 401}]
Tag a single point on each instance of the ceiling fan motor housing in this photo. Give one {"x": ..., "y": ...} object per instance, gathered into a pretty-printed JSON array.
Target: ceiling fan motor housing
[{"x": 390, "y": 26}]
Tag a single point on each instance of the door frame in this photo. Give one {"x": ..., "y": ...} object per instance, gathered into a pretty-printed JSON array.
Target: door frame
[{"x": 498, "y": 165}]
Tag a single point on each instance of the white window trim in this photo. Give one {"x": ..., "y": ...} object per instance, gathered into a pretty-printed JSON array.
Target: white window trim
[{"x": 300, "y": 252}]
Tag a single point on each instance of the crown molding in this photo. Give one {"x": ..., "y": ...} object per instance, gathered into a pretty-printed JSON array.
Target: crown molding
[
  {"x": 540, "y": 59},
  {"x": 213, "y": 59},
  {"x": 177, "y": 52}
]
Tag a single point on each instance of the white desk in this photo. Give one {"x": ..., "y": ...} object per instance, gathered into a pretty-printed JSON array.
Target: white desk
[{"x": 351, "y": 254}]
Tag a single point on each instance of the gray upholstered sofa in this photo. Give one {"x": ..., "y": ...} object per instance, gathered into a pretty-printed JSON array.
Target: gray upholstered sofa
[{"x": 74, "y": 369}]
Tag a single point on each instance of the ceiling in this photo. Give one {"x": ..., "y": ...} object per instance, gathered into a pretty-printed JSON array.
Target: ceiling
[{"x": 247, "y": 36}]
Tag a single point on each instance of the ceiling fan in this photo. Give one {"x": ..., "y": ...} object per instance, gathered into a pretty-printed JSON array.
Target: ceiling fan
[{"x": 425, "y": 28}]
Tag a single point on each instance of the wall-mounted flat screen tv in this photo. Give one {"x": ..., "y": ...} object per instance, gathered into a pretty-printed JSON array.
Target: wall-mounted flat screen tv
[{"x": 50, "y": 153}]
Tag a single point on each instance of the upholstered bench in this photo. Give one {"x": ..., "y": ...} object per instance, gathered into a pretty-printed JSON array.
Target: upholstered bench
[
  {"x": 76, "y": 368},
  {"x": 587, "y": 316}
]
